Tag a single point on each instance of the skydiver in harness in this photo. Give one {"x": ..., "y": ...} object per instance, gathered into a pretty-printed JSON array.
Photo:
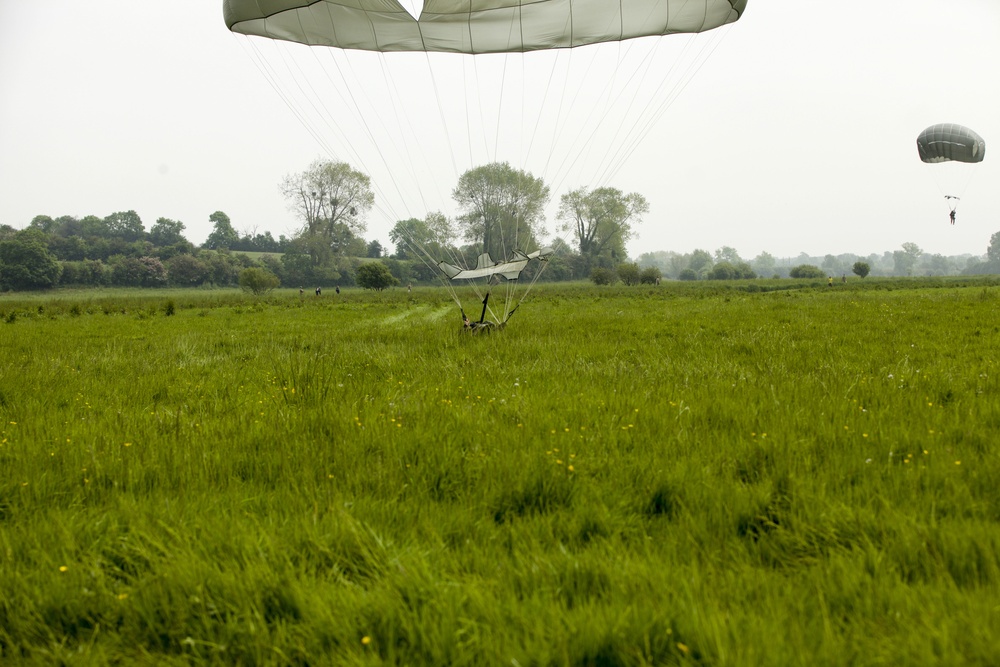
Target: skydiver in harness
[{"x": 953, "y": 207}]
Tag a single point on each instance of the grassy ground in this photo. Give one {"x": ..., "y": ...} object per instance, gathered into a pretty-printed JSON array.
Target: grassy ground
[{"x": 687, "y": 474}]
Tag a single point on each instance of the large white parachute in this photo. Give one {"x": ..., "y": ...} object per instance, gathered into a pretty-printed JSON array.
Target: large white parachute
[{"x": 561, "y": 90}]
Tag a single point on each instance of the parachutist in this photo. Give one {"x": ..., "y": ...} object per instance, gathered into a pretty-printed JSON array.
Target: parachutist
[
  {"x": 479, "y": 327},
  {"x": 952, "y": 216}
]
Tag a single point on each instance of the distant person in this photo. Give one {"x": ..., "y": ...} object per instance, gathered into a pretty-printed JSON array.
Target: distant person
[
  {"x": 952, "y": 216},
  {"x": 337, "y": 288},
  {"x": 409, "y": 287},
  {"x": 318, "y": 291},
  {"x": 301, "y": 291},
  {"x": 843, "y": 278},
  {"x": 829, "y": 281}
]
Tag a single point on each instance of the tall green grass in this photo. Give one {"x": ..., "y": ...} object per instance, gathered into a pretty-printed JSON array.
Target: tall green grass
[{"x": 673, "y": 475}]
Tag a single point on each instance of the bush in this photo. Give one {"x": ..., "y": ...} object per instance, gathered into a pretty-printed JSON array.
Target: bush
[
  {"x": 806, "y": 271},
  {"x": 723, "y": 271},
  {"x": 628, "y": 273},
  {"x": 258, "y": 281},
  {"x": 650, "y": 275},
  {"x": 602, "y": 276},
  {"x": 688, "y": 274},
  {"x": 861, "y": 269},
  {"x": 374, "y": 275}
]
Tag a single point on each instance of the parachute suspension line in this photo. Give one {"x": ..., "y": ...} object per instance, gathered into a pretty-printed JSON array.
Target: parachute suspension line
[
  {"x": 690, "y": 72},
  {"x": 444, "y": 122},
  {"x": 563, "y": 126},
  {"x": 545, "y": 97},
  {"x": 351, "y": 100},
  {"x": 271, "y": 77},
  {"x": 405, "y": 129}
]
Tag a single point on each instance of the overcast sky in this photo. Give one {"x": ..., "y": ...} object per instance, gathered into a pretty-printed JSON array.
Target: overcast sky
[{"x": 796, "y": 134}]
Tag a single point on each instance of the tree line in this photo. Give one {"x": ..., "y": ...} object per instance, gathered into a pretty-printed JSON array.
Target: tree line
[{"x": 500, "y": 209}]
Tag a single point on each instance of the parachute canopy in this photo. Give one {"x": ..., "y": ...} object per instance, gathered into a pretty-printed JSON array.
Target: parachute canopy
[
  {"x": 474, "y": 26},
  {"x": 946, "y": 142},
  {"x": 486, "y": 267}
]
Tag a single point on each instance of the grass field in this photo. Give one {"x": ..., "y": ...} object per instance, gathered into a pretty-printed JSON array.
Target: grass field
[{"x": 687, "y": 474}]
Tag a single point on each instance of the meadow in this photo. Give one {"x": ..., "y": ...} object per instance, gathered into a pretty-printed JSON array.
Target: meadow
[{"x": 791, "y": 474}]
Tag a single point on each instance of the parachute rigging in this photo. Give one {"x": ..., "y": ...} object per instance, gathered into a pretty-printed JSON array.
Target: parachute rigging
[
  {"x": 566, "y": 89},
  {"x": 957, "y": 145}
]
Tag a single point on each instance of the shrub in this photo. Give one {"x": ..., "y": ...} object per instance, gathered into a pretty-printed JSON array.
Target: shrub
[
  {"x": 602, "y": 276},
  {"x": 650, "y": 275},
  {"x": 688, "y": 274},
  {"x": 806, "y": 271},
  {"x": 861, "y": 269},
  {"x": 375, "y": 276},
  {"x": 628, "y": 273},
  {"x": 258, "y": 281}
]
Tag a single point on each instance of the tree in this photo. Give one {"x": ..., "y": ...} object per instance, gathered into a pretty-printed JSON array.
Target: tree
[
  {"x": 806, "y": 271},
  {"x": 723, "y": 270},
  {"x": 628, "y": 273},
  {"x": 861, "y": 269},
  {"x": 223, "y": 235},
  {"x": 328, "y": 194},
  {"x": 728, "y": 254},
  {"x": 904, "y": 260},
  {"x": 764, "y": 264},
  {"x": 166, "y": 232},
  {"x": 26, "y": 263},
  {"x": 375, "y": 276},
  {"x": 650, "y": 275},
  {"x": 126, "y": 225},
  {"x": 258, "y": 281},
  {"x": 414, "y": 238},
  {"x": 993, "y": 251},
  {"x": 601, "y": 220},
  {"x": 700, "y": 262},
  {"x": 375, "y": 250},
  {"x": 186, "y": 270},
  {"x": 502, "y": 207},
  {"x": 602, "y": 276}
]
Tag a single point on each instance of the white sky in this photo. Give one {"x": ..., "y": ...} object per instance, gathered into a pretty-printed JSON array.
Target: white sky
[{"x": 796, "y": 135}]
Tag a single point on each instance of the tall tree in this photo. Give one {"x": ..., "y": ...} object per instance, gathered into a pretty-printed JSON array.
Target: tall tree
[
  {"x": 502, "y": 207},
  {"x": 601, "y": 219},
  {"x": 166, "y": 232},
  {"x": 329, "y": 195},
  {"x": 414, "y": 237},
  {"x": 126, "y": 225},
  {"x": 223, "y": 234},
  {"x": 993, "y": 250}
]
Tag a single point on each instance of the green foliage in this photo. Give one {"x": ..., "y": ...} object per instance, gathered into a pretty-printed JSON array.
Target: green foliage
[
  {"x": 688, "y": 274},
  {"x": 500, "y": 203},
  {"x": 602, "y": 276},
  {"x": 861, "y": 269},
  {"x": 186, "y": 271},
  {"x": 374, "y": 276},
  {"x": 26, "y": 263},
  {"x": 628, "y": 273},
  {"x": 806, "y": 271},
  {"x": 223, "y": 235},
  {"x": 601, "y": 221},
  {"x": 258, "y": 281},
  {"x": 650, "y": 275}
]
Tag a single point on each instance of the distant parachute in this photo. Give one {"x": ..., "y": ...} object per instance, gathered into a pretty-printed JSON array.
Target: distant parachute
[{"x": 947, "y": 142}]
